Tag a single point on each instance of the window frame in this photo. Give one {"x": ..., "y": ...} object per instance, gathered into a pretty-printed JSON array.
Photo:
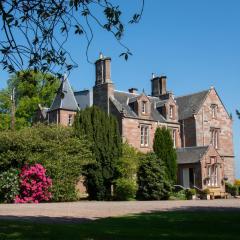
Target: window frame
[
  {"x": 171, "y": 111},
  {"x": 70, "y": 119},
  {"x": 144, "y": 135},
  {"x": 144, "y": 107}
]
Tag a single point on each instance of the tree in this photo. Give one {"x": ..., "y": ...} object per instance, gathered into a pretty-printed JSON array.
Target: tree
[
  {"x": 153, "y": 182},
  {"x": 31, "y": 88},
  {"x": 125, "y": 186},
  {"x": 163, "y": 148},
  {"x": 102, "y": 130},
  {"x": 238, "y": 113},
  {"x": 34, "y": 33}
]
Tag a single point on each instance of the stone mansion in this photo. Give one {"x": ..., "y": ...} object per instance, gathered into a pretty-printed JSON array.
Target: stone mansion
[{"x": 200, "y": 124}]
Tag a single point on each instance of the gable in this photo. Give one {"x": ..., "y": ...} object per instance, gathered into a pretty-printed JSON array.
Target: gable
[
  {"x": 213, "y": 98},
  {"x": 189, "y": 105}
]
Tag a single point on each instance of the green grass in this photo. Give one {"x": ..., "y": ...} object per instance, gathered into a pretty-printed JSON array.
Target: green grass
[{"x": 157, "y": 225}]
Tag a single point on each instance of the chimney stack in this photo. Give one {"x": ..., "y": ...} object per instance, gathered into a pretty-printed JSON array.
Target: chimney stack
[
  {"x": 159, "y": 86},
  {"x": 103, "y": 70}
]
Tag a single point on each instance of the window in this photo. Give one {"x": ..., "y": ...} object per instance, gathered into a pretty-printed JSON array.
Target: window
[
  {"x": 144, "y": 135},
  {"x": 70, "y": 120},
  {"x": 212, "y": 175},
  {"x": 174, "y": 138},
  {"x": 171, "y": 112},
  {"x": 214, "y": 110},
  {"x": 144, "y": 107},
  {"x": 215, "y": 137}
]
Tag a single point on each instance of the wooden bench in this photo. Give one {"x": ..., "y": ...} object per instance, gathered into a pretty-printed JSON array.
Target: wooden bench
[{"x": 217, "y": 192}]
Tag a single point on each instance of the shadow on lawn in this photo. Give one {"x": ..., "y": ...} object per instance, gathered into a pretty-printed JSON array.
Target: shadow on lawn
[{"x": 181, "y": 223}]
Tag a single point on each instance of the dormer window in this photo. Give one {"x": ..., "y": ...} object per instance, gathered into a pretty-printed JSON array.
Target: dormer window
[
  {"x": 171, "y": 112},
  {"x": 144, "y": 107},
  {"x": 214, "y": 110}
]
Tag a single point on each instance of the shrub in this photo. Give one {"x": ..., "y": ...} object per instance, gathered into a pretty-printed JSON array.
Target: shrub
[
  {"x": 125, "y": 189},
  {"x": 206, "y": 191},
  {"x": 153, "y": 184},
  {"x": 180, "y": 195},
  {"x": 34, "y": 185},
  {"x": 55, "y": 147},
  {"x": 190, "y": 192},
  {"x": 9, "y": 185},
  {"x": 232, "y": 189}
]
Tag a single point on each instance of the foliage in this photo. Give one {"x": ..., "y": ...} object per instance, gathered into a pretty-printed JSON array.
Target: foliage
[
  {"x": 9, "y": 185},
  {"x": 163, "y": 148},
  {"x": 238, "y": 113},
  {"x": 56, "y": 148},
  {"x": 34, "y": 185},
  {"x": 128, "y": 163},
  {"x": 153, "y": 183},
  {"x": 125, "y": 189},
  {"x": 102, "y": 130},
  {"x": 180, "y": 195},
  {"x": 190, "y": 192},
  {"x": 232, "y": 189},
  {"x": 206, "y": 191},
  {"x": 35, "y": 33},
  {"x": 31, "y": 89}
]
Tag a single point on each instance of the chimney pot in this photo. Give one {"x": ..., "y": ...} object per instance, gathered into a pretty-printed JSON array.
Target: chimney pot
[{"x": 133, "y": 90}]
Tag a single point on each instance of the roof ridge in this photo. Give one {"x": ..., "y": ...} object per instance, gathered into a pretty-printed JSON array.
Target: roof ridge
[{"x": 191, "y": 94}]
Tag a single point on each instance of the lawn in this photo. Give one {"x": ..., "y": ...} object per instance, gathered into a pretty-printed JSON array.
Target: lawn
[{"x": 157, "y": 225}]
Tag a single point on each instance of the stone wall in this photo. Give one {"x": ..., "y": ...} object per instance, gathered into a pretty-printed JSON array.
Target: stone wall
[{"x": 223, "y": 123}]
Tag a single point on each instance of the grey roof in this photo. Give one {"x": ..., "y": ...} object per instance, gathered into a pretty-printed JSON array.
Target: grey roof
[
  {"x": 64, "y": 98},
  {"x": 190, "y": 154},
  {"x": 190, "y": 104},
  {"x": 121, "y": 100},
  {"x": 84, "y": 98}
]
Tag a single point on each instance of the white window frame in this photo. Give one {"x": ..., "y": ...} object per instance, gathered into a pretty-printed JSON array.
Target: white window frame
[
  {"x": 144, "y": 107},
  {"x": 212, "y": 171},
  {"x": 171, "y": 111},
  {"x": 70, "y": 119},
  {"x": 144, "y": 142}
]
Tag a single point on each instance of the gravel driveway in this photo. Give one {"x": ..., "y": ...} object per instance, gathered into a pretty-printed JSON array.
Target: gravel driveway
[{"x": 90, "y": 210}]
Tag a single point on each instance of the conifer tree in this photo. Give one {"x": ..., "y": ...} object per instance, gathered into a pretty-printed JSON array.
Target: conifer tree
[
  {"x": 163, "y": 148},
  {"x": 152, "y": 179},
  {"x": 102, "y": 130}
]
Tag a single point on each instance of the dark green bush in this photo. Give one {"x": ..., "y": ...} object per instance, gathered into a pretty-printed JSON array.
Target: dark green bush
[
  {"x": 56, "y": 148},
  {"x": 232, "y": 189},
  {"x": 190, "y": 192},
  {"x": 153, "y": 183},
  {"x": 125, "y": 189},
  {"x": 9, "y": 185}
]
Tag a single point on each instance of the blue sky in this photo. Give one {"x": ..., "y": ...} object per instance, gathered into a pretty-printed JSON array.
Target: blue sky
[{"x": 195, "y": 43}]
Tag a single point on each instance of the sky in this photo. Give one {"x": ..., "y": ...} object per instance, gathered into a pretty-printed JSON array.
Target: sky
[{"x": 195, "y": 43}]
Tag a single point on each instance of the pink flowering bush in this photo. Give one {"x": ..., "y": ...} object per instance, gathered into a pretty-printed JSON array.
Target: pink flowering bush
[{"x": 34, "y": 185}]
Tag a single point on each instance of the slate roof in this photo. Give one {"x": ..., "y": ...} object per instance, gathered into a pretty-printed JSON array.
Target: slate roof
[
  {"x": 190, "y": 154},
  {"x": 64, "y": 98},
  {"x": 121, "y": 99},
  {"x": 84, "y": 98},
  {"x": 190, "y": 104}
]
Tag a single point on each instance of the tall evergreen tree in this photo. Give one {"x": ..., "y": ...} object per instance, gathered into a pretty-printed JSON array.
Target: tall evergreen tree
[
  {"x": 102, "y": 130},
  {"x": 163, "y": 148}
]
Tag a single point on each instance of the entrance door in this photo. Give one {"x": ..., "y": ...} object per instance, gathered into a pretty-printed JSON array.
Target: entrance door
[{"x": 186, "y": 182}]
